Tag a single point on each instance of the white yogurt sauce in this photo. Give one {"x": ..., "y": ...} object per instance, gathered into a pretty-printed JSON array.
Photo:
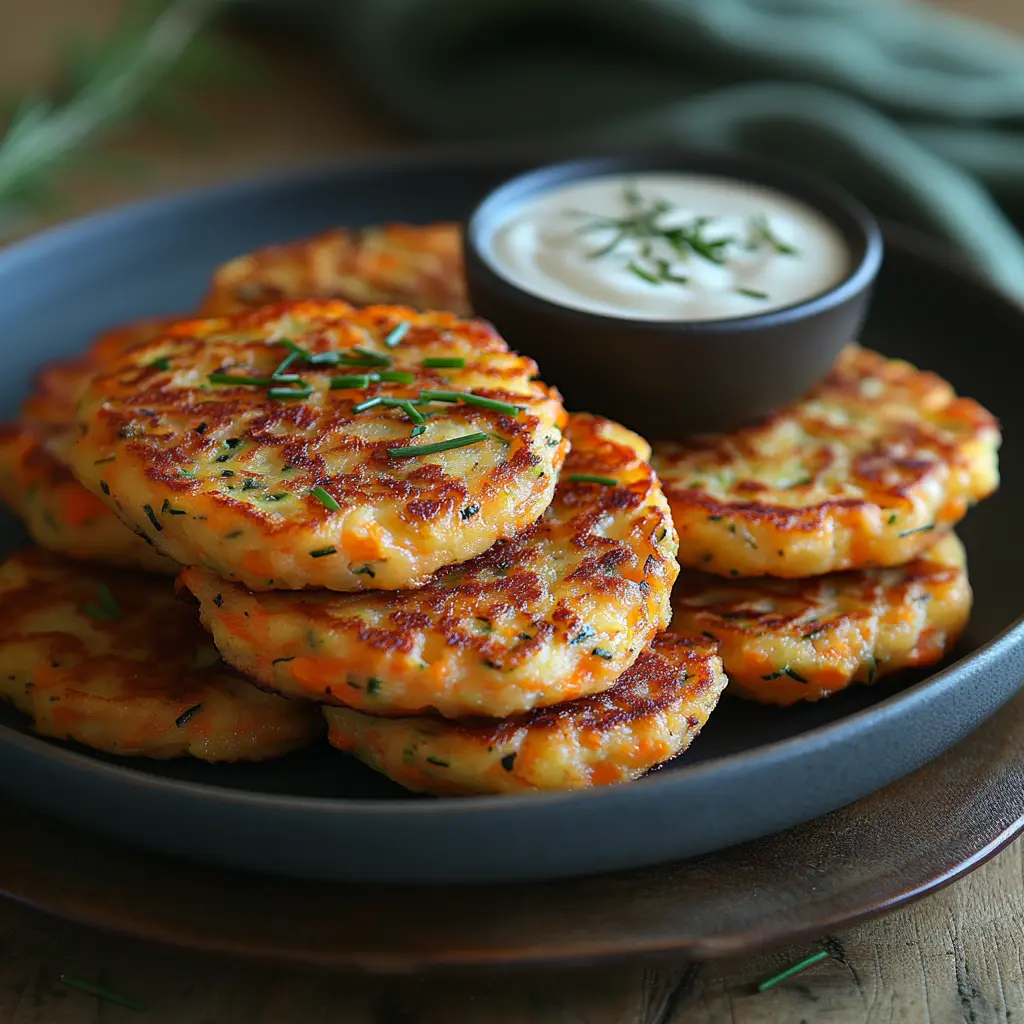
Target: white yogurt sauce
[{"x": 667, "y": 246}]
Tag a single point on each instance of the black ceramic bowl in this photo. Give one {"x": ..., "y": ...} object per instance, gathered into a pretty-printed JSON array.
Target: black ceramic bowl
[{"x": 666, "y": 377}]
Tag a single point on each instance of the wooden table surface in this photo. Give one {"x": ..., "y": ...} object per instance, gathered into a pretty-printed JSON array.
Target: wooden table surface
[{"x": 955, "y": 956}]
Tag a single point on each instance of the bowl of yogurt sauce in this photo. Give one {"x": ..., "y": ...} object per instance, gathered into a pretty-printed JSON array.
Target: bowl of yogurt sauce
[{"x": 678, "y": 292}]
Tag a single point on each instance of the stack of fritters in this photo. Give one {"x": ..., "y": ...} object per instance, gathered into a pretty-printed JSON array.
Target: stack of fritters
[
  {"x": 378, "y": 511},
  {"x": 818, "y": 545}
]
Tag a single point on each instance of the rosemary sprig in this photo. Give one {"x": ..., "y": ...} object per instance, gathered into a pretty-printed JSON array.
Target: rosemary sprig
[
  {"x": 101, "y": 992},
  {"x": 156, "y": 46}
]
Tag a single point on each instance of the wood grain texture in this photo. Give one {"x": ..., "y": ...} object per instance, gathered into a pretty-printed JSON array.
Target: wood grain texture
[{"x": 955, "y": 956}]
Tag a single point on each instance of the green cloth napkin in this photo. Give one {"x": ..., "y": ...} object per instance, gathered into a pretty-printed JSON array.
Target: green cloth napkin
[{"x": 919, "y": 113}]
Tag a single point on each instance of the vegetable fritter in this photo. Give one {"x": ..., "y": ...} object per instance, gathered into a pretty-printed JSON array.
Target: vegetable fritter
[
  {"x": 115, "y": 661},
  {"x": 59, "y": 513},
  {"x": 559, "y": 612},
  {"x": 651, "y": 715},
  {"x": 312, "y": 444},
  {"x": 864, "y": 471},
  {"x": 387, "y": 264},
  {"x": 35, "y": 481},
  {"x": 785, "y": 641}
]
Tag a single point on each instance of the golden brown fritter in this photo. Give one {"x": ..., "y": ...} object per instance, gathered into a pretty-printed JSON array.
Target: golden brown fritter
[
  {"x": 59, "y": 513},
  {"x": 115, "y": 661},
  {"x": 35, "y": 481},
  {"x": 399, "y": 264},
  {"x": 861, "y": 472},
  {"x": 561, "y": 611},
  {"x": 785, "y": 641},
  {"x": 313, "y": 479},
  {"x": 651, "y": 715}
]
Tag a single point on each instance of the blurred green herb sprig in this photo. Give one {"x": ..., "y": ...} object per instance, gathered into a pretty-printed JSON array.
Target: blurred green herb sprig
[{"x": 143, "y": 67}]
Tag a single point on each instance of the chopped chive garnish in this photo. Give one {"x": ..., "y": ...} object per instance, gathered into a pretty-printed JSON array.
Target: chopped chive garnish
[
  {"x": 396, "y": 335},
  {"x": 445, "y": 363},
  {"x": 290, "y": 394},
  {"x": 418, "y": 429},
  {"x": 185, "y": 716},
  {"x": 470, "y": 399},
  {"x": 508, "y": 762},
  {"x": 285, "y": 363},
  {"x": 603, "y": 652},
  {"x": 324, "y": 359},
  {"x": 368, "y": 404},
  {"x": 644, "y": 275},
  {"x": 785, "y": 671},
  {"x": 752, "y": 293},
  {"x": 102, "y": 993},
  {"x": 377, "y": 358},
  {"x": 345, "y": 359},
  {"x": 762, "y": 232},
  {"x": 233, "y": 378},
  {"x": 325, "y": 498},
  {"x": 294, "y": 348},
  {"x": 396, "y": 376},
  {"x": 919, "y": 529},
  {"x": 163, "y": 363},
  {"x": 323, "y": 552},
  {"x": 252, "y": 382},
  {"x": 439, "y": 446},
  {"x": 590, "y": 478},
  {"x": 353, "y": 380},
  {"x": 790, "y": 971},
  {"x": 412, "y": 412},
  {"x": 105, "y": 607},
  {"x": 151, "y": 516}
]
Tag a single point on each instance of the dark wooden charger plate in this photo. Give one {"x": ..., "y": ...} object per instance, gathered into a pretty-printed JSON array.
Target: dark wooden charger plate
[{"x": 896, "y": 845}]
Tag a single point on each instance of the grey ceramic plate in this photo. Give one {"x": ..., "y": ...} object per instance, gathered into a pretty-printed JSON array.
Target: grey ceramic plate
[{"x": 754, "y": 771}]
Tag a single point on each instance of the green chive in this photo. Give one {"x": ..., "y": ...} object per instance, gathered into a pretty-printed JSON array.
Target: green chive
[
  {"x": 396, "y": 376},
  {"x": 920, "y": 529},
  {"x": 590, "y": 478},
  {"x": 752, "y": 293},
  {"x": 368, "y": 404},
  {"x": 397, "y": 334},
  {"x": 353, "y": 380},
  {"x": 377, "y": 358},
  {"x": 445, "y": 363},
  {"x": 325, "y": 498},
  {"x": 470, "y": 399},
  {"x": 285, "y": 363},
  {"x": 297, "y": 350},
  {"x": 105, "y": 607},
  {"x": 439, "y": 446},
  {"x": 160, "y": 364},
  {"x": 151, "y": 516},
  {"x": 413, "y": 413},
  {"x": 290, "y": 394},
  {"x": 102, "y": 993},
  {"x": 603, "y": 652},
  {"x": 763, "y": 233},
  {"x": 252, "y": 382},
  {"x": 644, "y": 275},
  {"x": 790, "y": 971},
  {"x": 324, "y": 359},
  {"x": 417, "y": 430},
  {"x": 322, "y": 552},
  {"x": 185, "y": 716}
]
